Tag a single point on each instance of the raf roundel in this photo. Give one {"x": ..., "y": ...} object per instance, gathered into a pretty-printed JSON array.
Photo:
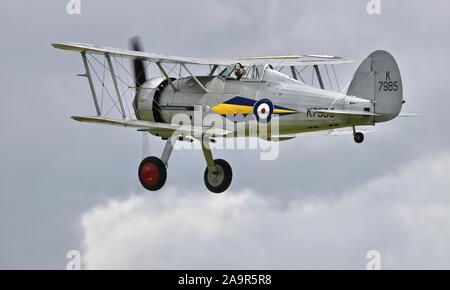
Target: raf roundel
[{"x": 263, "y": 110}]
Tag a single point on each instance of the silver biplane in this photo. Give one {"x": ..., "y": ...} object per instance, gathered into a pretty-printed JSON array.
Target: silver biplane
[{"x": 253, "y": 87}]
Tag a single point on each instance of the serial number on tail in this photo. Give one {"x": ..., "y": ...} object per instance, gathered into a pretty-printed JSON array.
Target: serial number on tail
[{"x": 388, "y": 85}]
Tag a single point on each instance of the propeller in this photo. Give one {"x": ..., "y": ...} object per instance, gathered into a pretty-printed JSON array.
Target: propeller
[
  {"x": 138, "y": 64},
  {"x": 140, "y": 78}
]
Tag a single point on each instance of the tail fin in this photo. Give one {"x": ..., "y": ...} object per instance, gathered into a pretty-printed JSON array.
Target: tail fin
[{"x": 378, "y": 79}]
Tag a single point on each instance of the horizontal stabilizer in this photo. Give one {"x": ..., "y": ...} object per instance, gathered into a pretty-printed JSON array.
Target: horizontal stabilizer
[
  {"x": 345, "y": 131},
  {"x": 409, "y": 115}
]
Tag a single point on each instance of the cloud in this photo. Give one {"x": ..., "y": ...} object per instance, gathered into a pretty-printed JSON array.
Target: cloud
[{"x": 405, "y": 215}]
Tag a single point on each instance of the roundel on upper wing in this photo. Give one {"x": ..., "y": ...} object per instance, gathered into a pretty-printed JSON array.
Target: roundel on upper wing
[{"x": 263, "y": 110}]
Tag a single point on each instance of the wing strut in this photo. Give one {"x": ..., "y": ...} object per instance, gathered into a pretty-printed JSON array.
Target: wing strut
[
  {"x": 113, "y": 76},
  {"x": 294, "y": 74},
  {"x": 166, "y": 76},
  {"x": 319, "y": 77},
  {"x": 213, "y": 70},
  {"x": 195, "y": 79},
  {"x": 91, "y": 84}
]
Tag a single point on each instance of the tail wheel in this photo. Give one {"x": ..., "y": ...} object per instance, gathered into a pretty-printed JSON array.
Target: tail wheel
[
  {"x": 220, "y": 180},
  {"x": 359, "y": 137},
  {"x": 152, "y": 173}
]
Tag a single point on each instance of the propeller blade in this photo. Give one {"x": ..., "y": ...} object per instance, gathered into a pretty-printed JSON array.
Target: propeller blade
[{"x": 138, "y": 64}]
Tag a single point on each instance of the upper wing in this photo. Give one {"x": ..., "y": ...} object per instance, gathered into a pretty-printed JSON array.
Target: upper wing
[
  {"x": 153, "y": 57},
  {"x": 288, "y": 60},
  {"x": 148, "y": 125},
  {"x": 291, "y": 60}
]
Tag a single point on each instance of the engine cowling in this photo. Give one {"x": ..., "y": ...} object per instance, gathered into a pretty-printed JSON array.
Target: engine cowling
[{"x": 146, "y": 102}]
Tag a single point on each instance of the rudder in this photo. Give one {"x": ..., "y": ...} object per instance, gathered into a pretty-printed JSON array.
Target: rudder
[{"x": 378, "y": 79}]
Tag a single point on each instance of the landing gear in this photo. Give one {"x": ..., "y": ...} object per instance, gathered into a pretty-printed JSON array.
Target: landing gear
[
  {"x": 219, "y": 180},
  {"x": 218, "y": 173},
  {"x": 153, "y": 170},
  {"x": 358, "y": 136},
  {"x": 152, "y": 173}
]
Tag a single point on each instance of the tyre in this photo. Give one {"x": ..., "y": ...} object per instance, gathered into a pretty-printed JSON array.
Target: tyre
[
  {"x": 152, "y": 173},
  {"x": 359, "y": 137},
  {"x": 219, "y": 181}
]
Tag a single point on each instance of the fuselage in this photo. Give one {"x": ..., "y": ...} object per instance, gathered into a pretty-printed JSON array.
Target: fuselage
[{"x": 159, "y": 101}]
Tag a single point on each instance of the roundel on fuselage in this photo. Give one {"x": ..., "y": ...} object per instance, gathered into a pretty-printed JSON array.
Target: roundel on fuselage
[{"x": 263, "y": 110}]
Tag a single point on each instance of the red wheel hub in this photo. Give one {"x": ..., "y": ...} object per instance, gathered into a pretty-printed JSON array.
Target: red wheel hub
[{"x": 150, "y": 174}]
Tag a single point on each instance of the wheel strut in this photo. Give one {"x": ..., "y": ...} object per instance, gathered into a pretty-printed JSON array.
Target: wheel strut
[
  {"x": 167, "y": 151},
  {"x": 208, "y": 155},
  {"x": 153, "y": 170}
]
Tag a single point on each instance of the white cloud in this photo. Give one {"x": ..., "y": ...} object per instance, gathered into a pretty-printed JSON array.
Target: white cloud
[{"x": 405, "y": 215}]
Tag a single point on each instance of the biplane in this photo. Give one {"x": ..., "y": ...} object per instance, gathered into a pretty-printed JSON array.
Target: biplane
[{"x": 256, "y": 88}]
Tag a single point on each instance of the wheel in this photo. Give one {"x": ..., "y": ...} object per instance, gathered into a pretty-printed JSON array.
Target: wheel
[
  {"x": 359, "y": 137},
  {"x": 152, "y": 173},
  {"x": 219, "y": 181}
]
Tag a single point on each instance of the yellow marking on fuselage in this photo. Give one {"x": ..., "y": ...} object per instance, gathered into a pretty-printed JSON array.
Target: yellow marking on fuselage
[
  {"x": 230, "y": 109},
  {"x": 281, "y": 111}
]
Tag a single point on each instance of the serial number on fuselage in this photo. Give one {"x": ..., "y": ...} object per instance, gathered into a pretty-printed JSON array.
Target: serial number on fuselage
[{"x": 312, "y": 113}]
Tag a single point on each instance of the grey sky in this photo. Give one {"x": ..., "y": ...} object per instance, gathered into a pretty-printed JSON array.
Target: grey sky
[{"x": 54, "y": 170}]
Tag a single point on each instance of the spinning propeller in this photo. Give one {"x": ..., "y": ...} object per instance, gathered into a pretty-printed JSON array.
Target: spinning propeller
[
  {"x": 140, "y": 78},
  {"x": 138, "y": 64}
]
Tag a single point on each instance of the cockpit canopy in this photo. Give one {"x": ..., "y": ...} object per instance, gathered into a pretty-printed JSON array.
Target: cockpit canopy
[{"x": 259, "y": 73}]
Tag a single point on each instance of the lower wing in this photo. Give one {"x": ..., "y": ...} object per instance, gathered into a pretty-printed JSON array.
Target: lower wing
[{"x": 148, "y": 125}]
